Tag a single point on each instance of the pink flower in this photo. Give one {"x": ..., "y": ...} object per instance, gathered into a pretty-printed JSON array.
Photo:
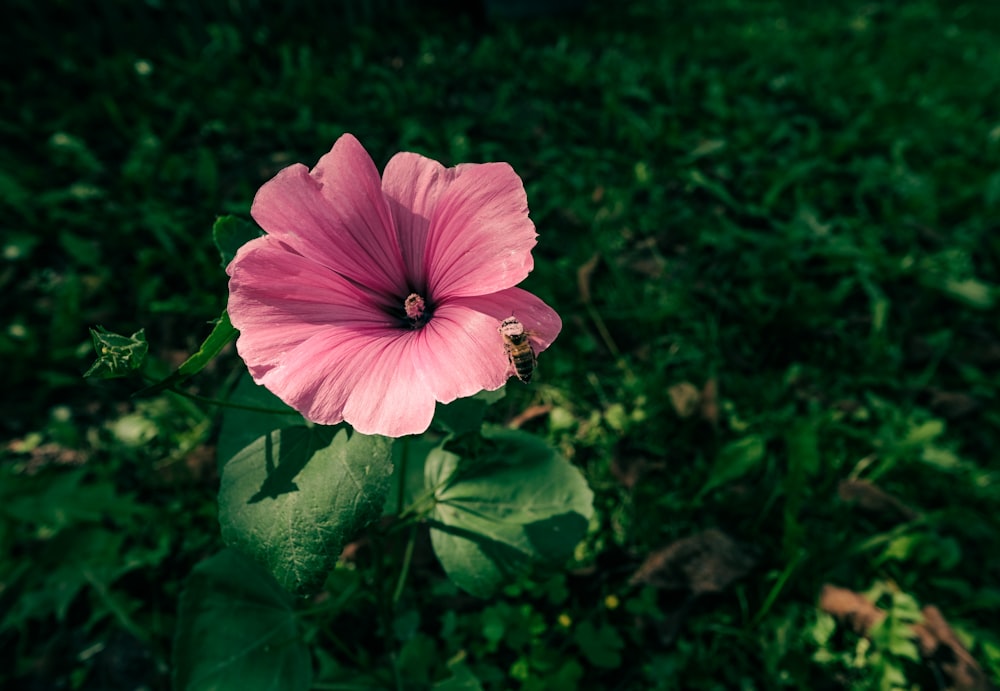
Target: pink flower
[{"x": 370, "y": 299}]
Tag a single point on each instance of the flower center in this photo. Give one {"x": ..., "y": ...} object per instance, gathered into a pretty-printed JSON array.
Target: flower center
[{"x": 416, "y": 310}]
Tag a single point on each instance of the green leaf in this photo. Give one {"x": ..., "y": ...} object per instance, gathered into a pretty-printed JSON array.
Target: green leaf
[
  {"x": 77, "y": 526},
  {"x": 972, "y": 292},
  {"x": 65, "y": 500},
  {"x": 735, "y": 460},
  {"x": 461, "y": 679},
  {"x": 64, "y": 566},
  {"x": 600, "y": 646},
  {"x": 418, "y": 656},
  {"x": 252, "y": 412},
  {"x": 716, "y": 189},
  {"x": 494, "y": 514},
  {"x": 802, "y": 442},
  {"x": 230, "y": 233},
  {"x": 923, "y": 433},
  {"x": 822, "y": 631},
  {"x": 17, "y": 246},
  {"x": 222, "y": 334},
  {"x": 466, "y": 414},
  {"x": 292, "y": 498},
  {"x": 117, "y": 355},
  {"x": 237, "y": 631}
]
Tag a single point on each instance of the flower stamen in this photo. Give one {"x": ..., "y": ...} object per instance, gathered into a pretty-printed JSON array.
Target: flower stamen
[{"x": 416, "y": 310}]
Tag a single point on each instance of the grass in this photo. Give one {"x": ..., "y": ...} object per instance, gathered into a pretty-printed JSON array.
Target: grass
[{"x": 800, "y": 206}]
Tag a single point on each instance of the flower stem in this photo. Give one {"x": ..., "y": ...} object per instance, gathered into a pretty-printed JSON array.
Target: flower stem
[
  {"x": 384, "y": 604},
  {"x": 228, "y": 404},
  {"x": 405, "y": 568},
  {"x": 404, "y": 457}
]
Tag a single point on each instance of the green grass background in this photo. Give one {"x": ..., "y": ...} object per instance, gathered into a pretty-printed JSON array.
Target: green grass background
[{"x": 801, "y": 203}]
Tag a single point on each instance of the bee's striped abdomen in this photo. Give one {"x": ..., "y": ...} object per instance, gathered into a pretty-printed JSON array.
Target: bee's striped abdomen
[{"x": 517, "y": 345}]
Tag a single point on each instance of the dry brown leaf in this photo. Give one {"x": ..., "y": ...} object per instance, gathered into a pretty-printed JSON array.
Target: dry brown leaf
[
  {"x": 851, "y": 607},
  {"x": 529, "y": 413},
  {"x": 710, "y": 401},
  {"x": 937, "y": 641},
  {"x": 628, "y": 469},
  {"x": 583, "y": 276},
  {"x": 870, "y": 498},
  {"x": 44, "y": 455},
  {"x": 650, "y": 267},
  {"x": 706, "y": 562},
  {"x": 939, "y": 644},
  {"x": 849, "y": 406},
  {"x": 352, "y": 550},
  {"x": 982, "y": 352},
  {"x": 196, "y": 467},
  {"x": 643, "y": 259},
  {"x": 685, "y": 398},
  {"x": 952, "y": 404}
]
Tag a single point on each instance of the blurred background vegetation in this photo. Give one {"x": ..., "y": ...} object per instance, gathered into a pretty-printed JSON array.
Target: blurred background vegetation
[{"x": 773, "y": 233}]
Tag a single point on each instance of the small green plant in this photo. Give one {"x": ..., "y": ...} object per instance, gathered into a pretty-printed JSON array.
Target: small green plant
[{"x": 294, "y": 491}]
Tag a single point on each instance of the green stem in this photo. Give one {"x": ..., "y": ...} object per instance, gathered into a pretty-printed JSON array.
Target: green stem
[
  {"x": 111, "y": 602},
  {"x": 331, "y": 605},
  {"x": 602, "y": 329},
  {"x": 405, "y": 569},
  {"x": 384, "y": 605},
  {"x": 401, "y": 471},
  {"x": 229, "y": 404},
  {"x": 419, "y": 509},
  {"x": 397, "y": 673},
  {"x": 345, "y": 651},
  {"x": 778, "y": 587}
]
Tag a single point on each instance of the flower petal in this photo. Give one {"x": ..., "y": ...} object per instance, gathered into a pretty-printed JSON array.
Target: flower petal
[
  {"x": 412, "y": 184},
  {"x": 336, "y": 215},
  {"x": 460, "y": 352},
  {"x": 363, "y": 378},
  {"x": 480, "y": 237},
  {"x": 316, "y": 375},
  {"x": 390, "y": 397},
  {"x": 279, "y": 299}
]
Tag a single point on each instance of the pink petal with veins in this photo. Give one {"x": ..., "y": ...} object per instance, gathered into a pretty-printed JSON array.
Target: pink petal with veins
[
  {"x": 480, "y": 236},
  {"x": 412, "y": 185},
  {"x": 336, "y": 216}
]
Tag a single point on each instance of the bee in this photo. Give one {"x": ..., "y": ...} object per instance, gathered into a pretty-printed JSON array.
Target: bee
[{"x": 517, "y": 345}]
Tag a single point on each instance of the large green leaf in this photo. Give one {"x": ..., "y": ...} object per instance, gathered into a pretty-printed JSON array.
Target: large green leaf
[
  {"x": 494, "y": 514},
  {"x": 236, "y": 631},
  {"x": 252, "y": 411},
  {"x": 294, "y": 496}
]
